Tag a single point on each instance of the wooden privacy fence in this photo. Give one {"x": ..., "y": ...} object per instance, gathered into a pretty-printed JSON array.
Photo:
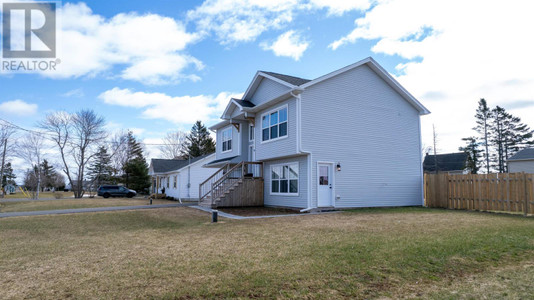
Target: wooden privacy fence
[{"x": 506, "y": 192}]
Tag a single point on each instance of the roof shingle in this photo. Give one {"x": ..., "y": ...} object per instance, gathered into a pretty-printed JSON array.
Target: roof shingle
[
  {"x": 166, "y": 165},
  {"x": 527, "y": 153},
  {"x": 287, "y": 78},
  {"x": 446, "y": 162}
]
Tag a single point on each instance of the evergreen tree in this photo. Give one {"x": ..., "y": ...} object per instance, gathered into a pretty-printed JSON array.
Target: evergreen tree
[
  {"x": 472, "y": 148},
  {"x": 136, "y": 168},
  {"x": 483, "y": 117},
  {"x": 508, "y": 135},
  {"x": 48, "y": 175},
  {"x": 100, "y": 171},
  {"x": 198, "y": 142},
  {"x": 9, "y": 176}
]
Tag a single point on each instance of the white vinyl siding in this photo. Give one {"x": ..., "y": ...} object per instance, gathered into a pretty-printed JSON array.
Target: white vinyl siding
[
  {"x": 267, "y": 90},
  {"x": 251, "y": 133},
  {"x": 526, "y": 166},
  {"x": 379, "y": 154},
  {"x": 296, "y": 200}
]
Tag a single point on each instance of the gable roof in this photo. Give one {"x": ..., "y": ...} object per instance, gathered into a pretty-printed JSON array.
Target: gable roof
[
  {"x": 160, "y": 165},
  {"x": 287, "y": 78},
  {"x": 446, "y": 162},
  {"x": 243, "y": 103},
  {"x": 525, "y": 154}
]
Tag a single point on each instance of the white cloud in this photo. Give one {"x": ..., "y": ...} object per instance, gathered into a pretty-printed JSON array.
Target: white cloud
[
  {"x": 146, "y": 48},
  {"x": 18, "y": 108},
  {"x": 456, "y": 52},
  {"x": 235, "y": 21},
  {"x": 288, "y": 44},
  {"x": 75, "y": 93},
  {"x": 184, "y": 110}
]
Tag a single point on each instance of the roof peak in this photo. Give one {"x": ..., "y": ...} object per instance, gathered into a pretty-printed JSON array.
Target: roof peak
[{"x": 287, "y": 78}]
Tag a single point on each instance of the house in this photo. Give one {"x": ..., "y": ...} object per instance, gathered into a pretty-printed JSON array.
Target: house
[
  {"x": 522, "y": 161},
  {"x": 350, "y": 138},
  {"x": 450, "y": 163},
  {"x": 179, "y": 177}
]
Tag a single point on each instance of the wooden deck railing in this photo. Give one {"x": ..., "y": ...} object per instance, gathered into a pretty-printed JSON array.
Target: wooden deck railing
[{"x": 215, "y": 186}]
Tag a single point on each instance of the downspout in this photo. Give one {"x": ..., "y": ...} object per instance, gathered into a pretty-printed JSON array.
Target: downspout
[{"x": 299, "y": 147}]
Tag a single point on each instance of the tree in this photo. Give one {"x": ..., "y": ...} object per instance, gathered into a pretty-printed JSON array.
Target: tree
[
  {"x": 174, "y": 145},
  {"x": 136, "y": 168},
  {"x": 483, "y": 116},
  {"x": 31, "y": 149},
  {"x": 9, "y": 176},
  {"x": 100, "y": 171},
  {"x": 472, "y": 148},
  {"x": 49, "y": 175},
  {"x": 6, "y": 131},
  {"x": 508, "y": 135},
  {"x": 199, "y": 142},
  {"x": 77, "y": 137}
]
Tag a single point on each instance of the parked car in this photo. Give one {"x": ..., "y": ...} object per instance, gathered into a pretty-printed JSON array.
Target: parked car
[{"x": 107, "y": 191}]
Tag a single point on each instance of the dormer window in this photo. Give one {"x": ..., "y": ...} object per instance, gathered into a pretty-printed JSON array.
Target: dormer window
[
  {"x": 227, "y": 139},
  {"x": 274, "y": 124}
]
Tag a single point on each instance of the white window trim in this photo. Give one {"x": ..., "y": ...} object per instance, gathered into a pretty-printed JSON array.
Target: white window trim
[
  {"x": 253, "y": 131},
  {"x": 261, "y": 125},
  {"x": 271, "y": 179},
  {"x": 231, "y": 138}
]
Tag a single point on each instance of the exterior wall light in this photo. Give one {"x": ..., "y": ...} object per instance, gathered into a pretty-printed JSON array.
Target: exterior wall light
[{"x": 338, "y": 167}]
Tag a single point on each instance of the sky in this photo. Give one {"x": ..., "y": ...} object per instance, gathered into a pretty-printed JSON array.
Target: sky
[{"x": 158, "y": 66}]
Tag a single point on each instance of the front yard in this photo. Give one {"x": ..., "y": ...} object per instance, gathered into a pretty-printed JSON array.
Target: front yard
[
  {"x": 75, "y": 203},
  {"x": 177, "y": 253}
]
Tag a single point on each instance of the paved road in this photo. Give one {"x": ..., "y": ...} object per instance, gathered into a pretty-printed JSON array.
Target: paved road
[{"x": 85, "y": 210}]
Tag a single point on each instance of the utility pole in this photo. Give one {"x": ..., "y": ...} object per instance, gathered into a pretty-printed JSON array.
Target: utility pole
[
  {"x": 2, "y": 169},
  {"x": 435, "y": 137}
]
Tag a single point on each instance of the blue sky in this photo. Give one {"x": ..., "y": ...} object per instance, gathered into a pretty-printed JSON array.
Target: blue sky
[{"x": 156, "y": 66}]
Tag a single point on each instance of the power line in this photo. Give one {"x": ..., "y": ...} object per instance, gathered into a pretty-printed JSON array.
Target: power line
[{"x": 15, "y": 126}]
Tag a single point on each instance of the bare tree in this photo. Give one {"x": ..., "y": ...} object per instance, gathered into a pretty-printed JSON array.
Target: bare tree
[
  {"x": 173, "y": 144},
  {"x": 77, "y": 136},
  {"x": 30, "y": 148}
]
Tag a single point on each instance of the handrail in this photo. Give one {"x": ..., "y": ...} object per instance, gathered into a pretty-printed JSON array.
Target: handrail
[{"x": 228, "y": 179}]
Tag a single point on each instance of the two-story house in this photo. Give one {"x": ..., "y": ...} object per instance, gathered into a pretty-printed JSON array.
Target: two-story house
[{"x": 350, "y": 138}]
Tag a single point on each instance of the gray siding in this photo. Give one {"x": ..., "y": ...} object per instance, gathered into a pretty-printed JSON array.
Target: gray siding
[
  {"x": 267, "y": 90},
  {"x": 356, "y": 119},
  {"x": 277, "y": 148},
  {"x": 526, "y": 166},
  {"x": 300, "y": 201}
]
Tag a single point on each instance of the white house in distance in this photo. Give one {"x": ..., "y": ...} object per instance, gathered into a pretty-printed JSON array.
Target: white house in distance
[
  {"x": 179, "y": 177},
  {"x": 350, "y": 138},
  {"x": 522, "y": 161}
]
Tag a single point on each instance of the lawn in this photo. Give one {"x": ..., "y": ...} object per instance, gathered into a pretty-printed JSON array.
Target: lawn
[
  {"x": 42, "y": 195},
  {"x": 176, "y": 253},
  {"x": 75, "y": 203}
]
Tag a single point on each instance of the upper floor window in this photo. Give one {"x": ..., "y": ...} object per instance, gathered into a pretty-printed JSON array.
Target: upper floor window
[
  {"x": 175, "y": 181},
  {"x": 274, "y": 124},
  {"x": 251, "y": 133},
  {"x": 227, "y": 139}
]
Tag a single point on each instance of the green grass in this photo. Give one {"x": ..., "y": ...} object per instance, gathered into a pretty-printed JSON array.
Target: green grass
[
  {"x": 74, "y": 203},
  {"x": 176, "y": 253}
]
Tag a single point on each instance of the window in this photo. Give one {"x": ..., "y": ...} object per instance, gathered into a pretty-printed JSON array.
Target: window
[
  {"x": 251, "y": 133},
  {"x": 168, "y": 179},
  {"x": 285, "y": 179},
  {"x": 274, "y": 124},
  {"x": 227, "y": 139},
  {"x": 175, "y": 180}
]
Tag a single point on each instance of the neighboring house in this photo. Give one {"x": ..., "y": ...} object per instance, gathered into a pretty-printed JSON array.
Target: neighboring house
[
  {"x": 350, "y": 138},
  {"x": 522, "y": 161},
  {"x": 450, "y": 163},
  {"x": 179, "y": 177}
]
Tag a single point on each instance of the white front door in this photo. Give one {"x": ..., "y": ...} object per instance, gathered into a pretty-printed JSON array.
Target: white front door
[{"x": 324, "y": 184}]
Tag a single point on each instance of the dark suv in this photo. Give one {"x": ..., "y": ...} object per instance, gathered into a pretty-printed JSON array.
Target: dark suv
[{"x": 107, "y": 191}]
